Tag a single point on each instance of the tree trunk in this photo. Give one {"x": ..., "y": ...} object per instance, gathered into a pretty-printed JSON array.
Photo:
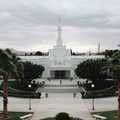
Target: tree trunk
[
  {"x": 118, "y": 77},
  {"x": 5, "y": 100}
]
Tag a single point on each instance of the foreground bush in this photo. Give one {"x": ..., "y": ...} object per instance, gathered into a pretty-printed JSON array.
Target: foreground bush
[{"x": 61, "y": 116}]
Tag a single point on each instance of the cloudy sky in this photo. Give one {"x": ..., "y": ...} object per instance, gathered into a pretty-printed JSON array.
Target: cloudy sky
[{"x": 31, "y": 25}]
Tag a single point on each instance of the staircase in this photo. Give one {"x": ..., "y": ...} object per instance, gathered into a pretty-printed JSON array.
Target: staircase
[{"x": 55, "y": 87}]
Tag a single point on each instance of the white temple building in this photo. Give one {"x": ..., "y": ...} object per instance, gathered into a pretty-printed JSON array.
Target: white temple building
[{"x": 59, "y": 63}]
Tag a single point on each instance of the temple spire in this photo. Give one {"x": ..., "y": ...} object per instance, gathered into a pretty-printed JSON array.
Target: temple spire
[{"x": 59, "y": 39}]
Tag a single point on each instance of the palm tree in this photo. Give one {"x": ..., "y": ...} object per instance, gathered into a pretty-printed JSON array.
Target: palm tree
[
  {"x": 8, "y": 68},
  {"x": 113, "y": 69},
  {"x": 116, "y": 69}
]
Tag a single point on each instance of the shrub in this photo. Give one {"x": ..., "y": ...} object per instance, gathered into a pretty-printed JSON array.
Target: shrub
[
  {"x": 62, "y": 116},
  {"x": 49, "y": 118},
  {"x": 23, "y": 94},
  {"x": 38, "y": 94},
  {"x": 82, "y": 93}
]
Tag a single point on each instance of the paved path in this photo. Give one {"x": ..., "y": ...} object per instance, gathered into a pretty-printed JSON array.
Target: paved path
[
  {"x": 61, "y": 100},
  {"x": 102, "y": 104}
]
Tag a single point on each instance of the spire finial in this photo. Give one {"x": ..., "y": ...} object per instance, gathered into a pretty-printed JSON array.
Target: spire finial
[{"x": 59, "y": 19}]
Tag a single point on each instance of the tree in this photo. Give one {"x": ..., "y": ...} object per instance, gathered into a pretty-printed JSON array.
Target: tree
[
  {"x": 91, "y": 69},
  {"x": 8, "y": 68},
  {"x": 114, "y": 71},
  {"x": 112, "y": 68},
  {"x": 109, "y": 53},
  {"x": 38, "y": 53},
  {"x": 32, "y": 71}
]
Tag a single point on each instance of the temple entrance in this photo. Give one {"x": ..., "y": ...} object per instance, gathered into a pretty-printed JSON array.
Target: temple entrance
[{"x": 59, "y": 74}]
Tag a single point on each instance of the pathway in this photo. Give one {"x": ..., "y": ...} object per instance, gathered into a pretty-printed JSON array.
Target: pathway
[{"x": 61, "y": 99}]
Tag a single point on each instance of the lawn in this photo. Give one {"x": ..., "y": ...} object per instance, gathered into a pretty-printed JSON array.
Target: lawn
[
  {"x": 100, "y": 85},
  {"x": 102, "y": 89},
  {"x": 109, "y": 114},
  {"x": 20, "y": 89},
  {"x": 21, "y": 85},
  {"x": 15, "y": 115}
]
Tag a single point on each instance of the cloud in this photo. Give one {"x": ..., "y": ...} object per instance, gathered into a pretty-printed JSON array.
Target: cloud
[{"x": 32, "y": 25}]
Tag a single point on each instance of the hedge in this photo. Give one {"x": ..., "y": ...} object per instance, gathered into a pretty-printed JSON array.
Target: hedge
[
  {"x": 99, "y": 94},
  {"x": 23, "y": 94}
]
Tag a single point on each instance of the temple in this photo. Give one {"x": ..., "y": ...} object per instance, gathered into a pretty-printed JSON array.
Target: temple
[{"x": 59, "y": 63}]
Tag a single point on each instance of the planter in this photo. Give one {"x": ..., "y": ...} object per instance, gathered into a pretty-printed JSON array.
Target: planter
[
  {"x": 46, "y": 95},
  {"x": 74, "y": 94},
  {"x": 43, "y": 82}
]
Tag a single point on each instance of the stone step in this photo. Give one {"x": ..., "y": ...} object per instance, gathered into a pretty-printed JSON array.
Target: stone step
[
  {"x": 56, "y": 85},
  {"x": 57, "y": 90}
]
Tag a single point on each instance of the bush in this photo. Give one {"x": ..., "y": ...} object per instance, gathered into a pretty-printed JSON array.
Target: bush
[
  {"x": 100, "y": 94},
  {"x": 82, "y": 93},
  {"x": 62, "y": 116},
  {"x": 49, "y": 118},
  {"x": 23, "y": 94}
]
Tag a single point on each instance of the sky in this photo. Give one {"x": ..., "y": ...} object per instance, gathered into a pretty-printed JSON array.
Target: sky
[{"x": 31, "y": 25}]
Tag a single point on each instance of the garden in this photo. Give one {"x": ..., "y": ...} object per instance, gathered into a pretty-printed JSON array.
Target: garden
[
  {"x": 102, "y": 89},
  {"x": 20, "y": 89}
]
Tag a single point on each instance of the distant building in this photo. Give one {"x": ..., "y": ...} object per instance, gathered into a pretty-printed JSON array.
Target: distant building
[{"x": 59, "y": 63}]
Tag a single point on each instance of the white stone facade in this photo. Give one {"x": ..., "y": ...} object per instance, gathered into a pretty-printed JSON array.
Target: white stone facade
[{"x": 60, "y": 63}]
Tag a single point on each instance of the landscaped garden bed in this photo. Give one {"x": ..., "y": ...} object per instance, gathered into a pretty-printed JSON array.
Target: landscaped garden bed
[
  {"x": 23, "y": 86},
  {"x": 20, "y": 89},
  {"x": 99, "y": 94},
  {"x": 101, "y": 89}
]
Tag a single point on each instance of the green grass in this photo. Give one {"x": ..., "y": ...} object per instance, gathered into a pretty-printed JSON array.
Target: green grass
[
  {"x": 23, "y": 86},
  {"x": 15, "y": 115},
  {"x": 109, "y": 114},
  {"x": 100, "y": 85}
]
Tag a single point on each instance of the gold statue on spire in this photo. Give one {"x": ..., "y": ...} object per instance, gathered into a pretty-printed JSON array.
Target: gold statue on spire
[{"x": 59, "y": 19}]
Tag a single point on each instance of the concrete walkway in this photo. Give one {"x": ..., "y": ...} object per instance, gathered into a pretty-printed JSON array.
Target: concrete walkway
[
  {"x": 102, "y": 104},
  {"x": 61, "y": 102}
]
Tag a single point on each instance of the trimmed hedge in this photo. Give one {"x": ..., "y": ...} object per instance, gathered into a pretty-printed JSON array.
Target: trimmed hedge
[
  {"x": 99, "y": 94},
  {"x": 23, "y": 94}
]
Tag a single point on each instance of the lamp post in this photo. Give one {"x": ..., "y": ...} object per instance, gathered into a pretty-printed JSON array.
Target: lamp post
[
  {"x": 93, "y": 96},
  {"x": 29, "y": 86}
]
